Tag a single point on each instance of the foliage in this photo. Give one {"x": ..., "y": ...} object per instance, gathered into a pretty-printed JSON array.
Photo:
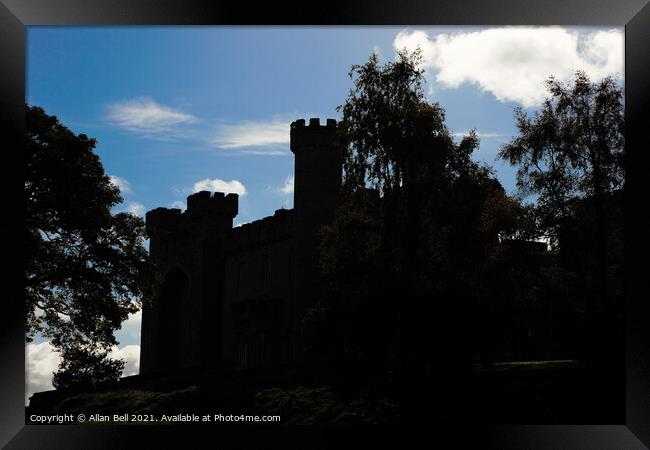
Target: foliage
[
  {"x": 85, "y": 268},
  {"x": 573, "y": 147},
  {"x": 321, "y": 405},
  {"x": 384, "y": 113},
  {"x": 570, "y": 155},
  {"x": 131, "y": 401},
  {"x": 85, "y": 367},
  {"x": 417, "y": 220}
]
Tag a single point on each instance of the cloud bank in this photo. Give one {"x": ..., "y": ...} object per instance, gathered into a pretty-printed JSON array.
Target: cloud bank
[
  {"x": 512, "y": 63},
  {"x": 130, "y": 329},
  {"x": 131, "y": 356},
  {"x": 41, "y": 361}
]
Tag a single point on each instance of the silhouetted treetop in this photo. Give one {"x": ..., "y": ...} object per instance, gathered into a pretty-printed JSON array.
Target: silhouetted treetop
[
  {"x": 572, "y": 147},
  {"x": 570, "y": 154},
  {"x": 85, "y": 268},
  {"x": 419, "y": 219}
]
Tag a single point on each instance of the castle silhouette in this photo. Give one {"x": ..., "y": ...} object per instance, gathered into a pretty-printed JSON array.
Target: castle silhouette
[{"x": 238, "y": 295}]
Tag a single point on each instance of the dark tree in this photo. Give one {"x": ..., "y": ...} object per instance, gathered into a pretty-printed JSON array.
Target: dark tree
[
  {"x": 570, "y": 157},
  {"x": 85, "y": 269},
  {"x": 418, "y": 218},
  {"x": 85, "y": 366},
  {"x": 573, "y": 147}
]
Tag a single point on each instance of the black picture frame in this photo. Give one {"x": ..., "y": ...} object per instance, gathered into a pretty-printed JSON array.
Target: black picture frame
[{"x": 16, "y": 15}]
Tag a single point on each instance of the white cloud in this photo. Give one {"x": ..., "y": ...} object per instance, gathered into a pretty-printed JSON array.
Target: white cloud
[
  {"x": 135, "y": 208},
  {"x": 41, "y": 361},
  {"x": 479, "y": 134},
  {"x": 272, "y": 134},
  {"x": 121, "y": 183},
  {"x": 512, "y": 63},
  {"x": 130, "y": 330},
  {"x": 287, "y": 187},
  {"x": 131, "y": 356},
  {"x": 150, "y": 119},
  {"x": 135, "y": 319},
  {"x": 178, "y": 204},
  {"x": 217, "y": 185},
  {"x": 144, "y": 115}
]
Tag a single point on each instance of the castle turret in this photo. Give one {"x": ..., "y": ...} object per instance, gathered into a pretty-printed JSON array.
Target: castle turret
[
  {"x": 179, "y": 330},
  {"x": 317, "y": 184},
  {"x": 216, "y": 204},
  {"x": 317, "y": 169},
  {"x": 201, "y": 318},
  {"x": 206, "y": 213}
]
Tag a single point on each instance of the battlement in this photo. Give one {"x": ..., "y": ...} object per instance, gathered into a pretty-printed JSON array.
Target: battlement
[
  {"x": 312, "y": 135},
  {"x": 201, "y": 204},
  {"x": 260, "y": 232},
  {"x": 162, "y": 219},
  {"x": 213, "y": 204}
]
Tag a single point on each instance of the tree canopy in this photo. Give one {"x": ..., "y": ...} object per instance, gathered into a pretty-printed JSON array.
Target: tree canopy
[
  {"x": 570, "y": 157},
  {"x": 572, "y": 147},
  {"x": 430, "y": 266},
  {"x": 86, "y": 268},
  {"x": 418, "y": 219}
]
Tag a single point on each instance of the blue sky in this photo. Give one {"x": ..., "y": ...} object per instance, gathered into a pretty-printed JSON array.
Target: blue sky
[{"x": 177, "y": 109}]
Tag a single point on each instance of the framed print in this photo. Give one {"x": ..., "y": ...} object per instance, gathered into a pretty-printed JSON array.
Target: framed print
[{"x": 350, "y": 216}]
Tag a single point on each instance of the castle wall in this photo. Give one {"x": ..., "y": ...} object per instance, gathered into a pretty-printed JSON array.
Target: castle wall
[
  {"x": 239, "y": 295},
  {"x": 258, "y": 292},
  {"x": 181, "y": 332}
]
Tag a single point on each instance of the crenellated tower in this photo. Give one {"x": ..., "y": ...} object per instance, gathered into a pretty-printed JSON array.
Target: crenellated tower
[
  {"x": 239, "y": 295},
  {"x": 317, "y": 184},
  {"x": 180, "y": 329}
]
